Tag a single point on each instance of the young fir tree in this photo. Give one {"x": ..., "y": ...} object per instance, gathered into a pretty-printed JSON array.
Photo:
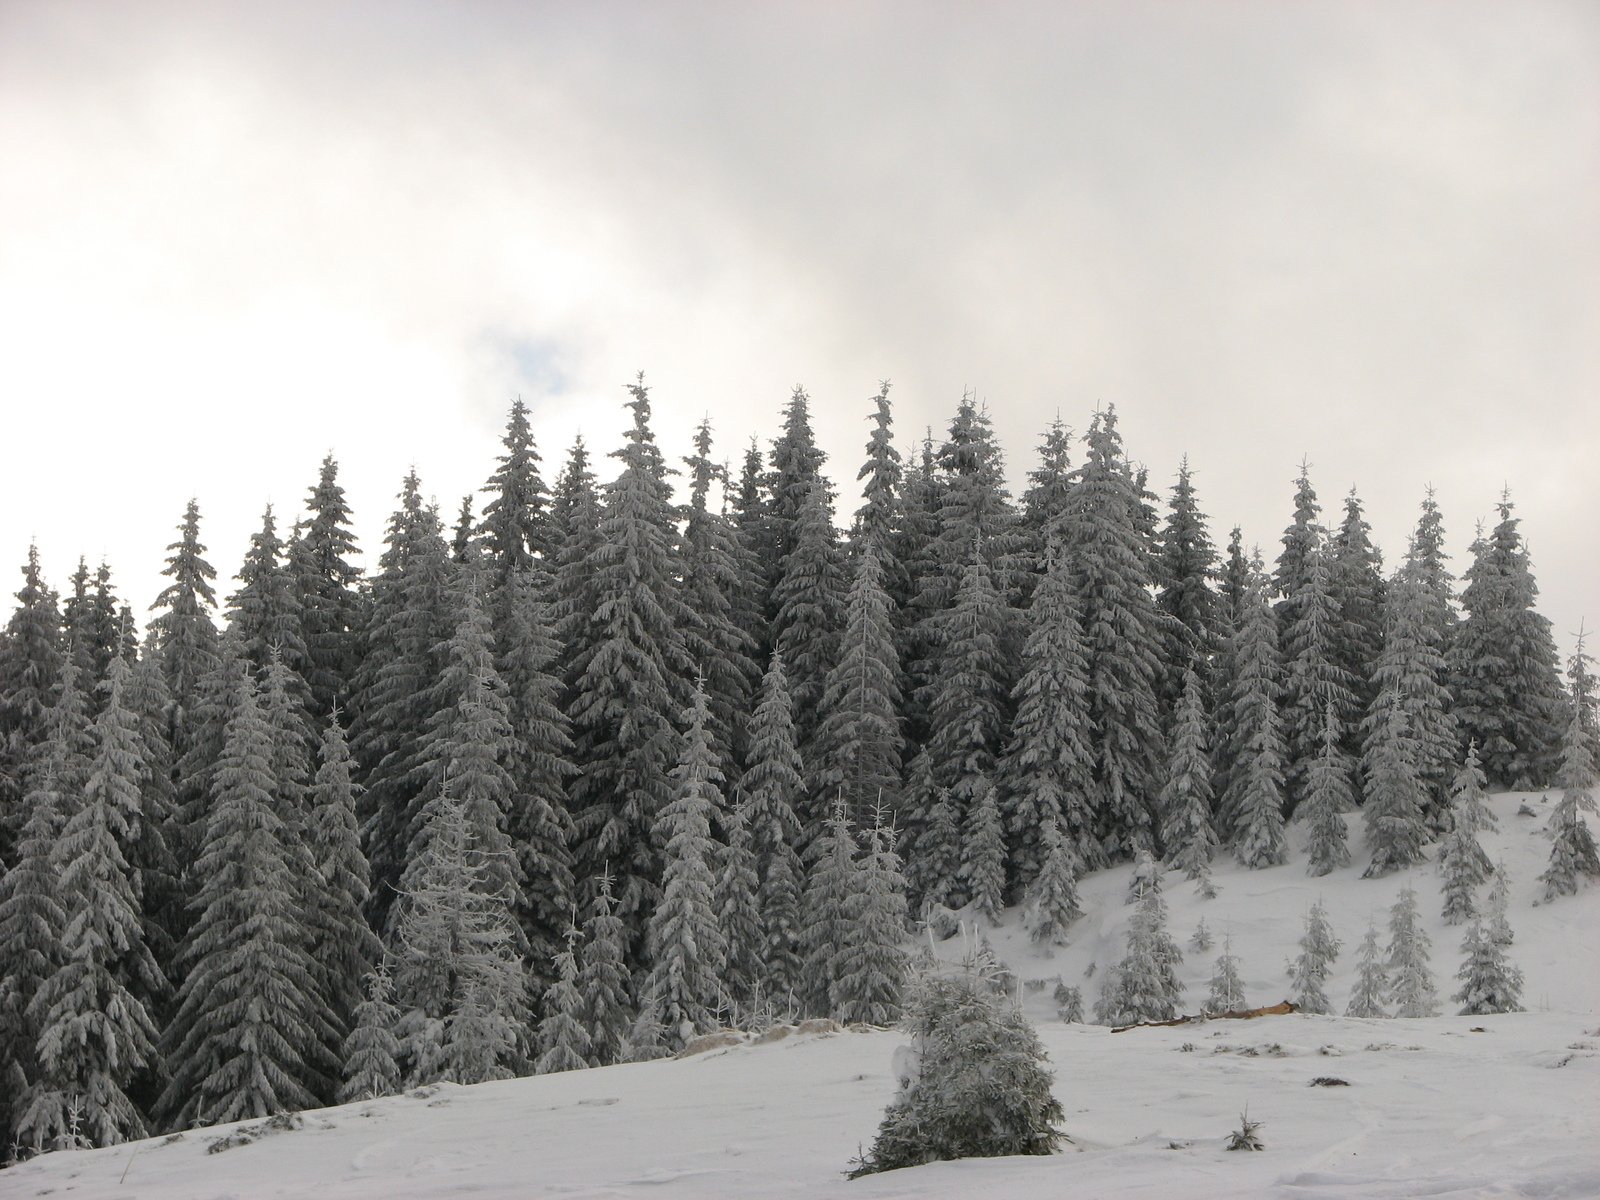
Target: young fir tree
[
  {"x": 972, "y": 1086},
  {"x": 858, "y": 739},
  {"x": 1572, "y": 845},
  {"x": 1502, "y": 663},
  {"x": 563, "y": 1040},
  {"x": 735, "y": 897},
  {"x": 1252, "y": 804},
  {"x": 1111, "y": 574},
  {"x": 1046, "y": 770},
  {"x": 1313, "y": 681},
  {"x": 1499, "y": 901},
  {"x": 1227, "y": 988},
  {"x": 933, "y": 857},
  {"x": 1309, "y": 972},
  {"x": 1328, "y": 797},
  {"x": 267, "y": 613},
  {"x": 1302, "y": 542},
  {"x": 1410, "y": 978},
  {"x": 574, "y": 537},
  {"x": 796, "y": 470},
  {"x": 1371, "y": 990},
  {"x": 371, "y": 1050},
  {"x": 916, "y": 548},
  {"x": 713, "y": 581},
  {"x": 983, "y": 853},
  {"x": 1489, "y": 982},
  {"x": 1425, "y": 562},
  {"x": 831, "y": 884},
  {"x": 331, "y": 610},
  {"x": 603, "y": 980},
  {"x": 1052, "y": 902},
  {"x": 1045, "y": 501},
  {"x": 871, "y": 966},
  {"x": 1148, "y": 984},
  {"x": 629, "y": 674},
  {"x": 1469, "y": 814},
  {"x": 767, "y": 792},
  {"x": 1393, "y": 813},
  {"x": 1186, "y": 828},
  {"x": 687, "y": 949},
  {"x": 1411, "y": 666},
  {"x": 1184, "y": 568},
  {"x": 1462, "y": 866},
  {"x": 1200, "y": 939},
  {"x": 455, "y": 957},
  {"x": 249, "y": 1037}
]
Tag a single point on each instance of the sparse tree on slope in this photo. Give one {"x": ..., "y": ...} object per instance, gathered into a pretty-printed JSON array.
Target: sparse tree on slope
[
  {"x": 1371, "y": 990},
  {"x": 1328, "y": 797},
  {"x": 1489, "y": 983},
  {"x": 1410, "y": 978},
  {"x": 1052, "y": 899},
  {"x": 1309, "y": 971},
  {"x": 1227, "y": 988},
  {"x": 1149, "y": 989},
  {"x": 1572, "y": 846}
]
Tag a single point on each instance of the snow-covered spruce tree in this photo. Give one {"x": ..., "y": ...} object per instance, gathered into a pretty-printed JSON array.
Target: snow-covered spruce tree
[
  {"x": 1489, "y": 983},
  {"x": 1108, "y": 1007},
  {"x": 183, "y": 627},
  {"x": 767, "y": 792},
  {"x": 809, "y": 615},
  {"x": 972, "y": 1085},
  {"x": 30, "y": 672},
  {"x": 538, "y": 761},
  {"x": 250, "y": 1037},
  {"x": 1200, "y": 939},
  {"x": 686, "y": 948},
  {"x": 1410, "y": 978},
  {"x": 1371, "y": 990},
  {"x": 371, "y": 1050},
  {"x": 1252, "y": 805},
  {"x": 1111, "y": 575},
  {"x": 630, "y": 674},
  {"x": 331, "y": 610},
  {"x": 266, "y": 613},
  {"x": 1411, "y": 667},
  {"x": 916, "y": 547},
  {"x": 1186, "y": 829},
  {"x": 603, "y": 980},
  {"x": 878, "y": 520},
  {"x": 1460, "y": 877},
  {"x": 933, "y": 859},
  {"x": 459, "y": 983},
  {"x": 1572, "y": 846},
  {"x": 1502, "y": 663},
  {"x": 1309, "y": 971},
  {"x": 735, "y": 898},
  {"x": 1328, "y": 796},
  {"x": 1184, "y": 565},
  {"x": 1149, "y": 986},
  {"x": 1355, "y": 575},
  {"x": 858, "y": 737},
  {"x": 831, "y": 885},
  {"x": 796, "y": 466},
  {"x": 563, "y": 1041},
  {"x": 1425, "y": 562},
  {"x": 1227, "y": 988},
  {"x": 1052, "y": 902},
  {"x": 1313, "y": 680},
  {"x": 872, "y": 965},
  {"x": 1302, "y": 542},
  {"x": 983, "y": 852},
  {"x": 714, "y": 579},
  {"x": 1469, "y": 813},
  {"x": 94, "y": 1033},
  {"x": 1047, "y": 766},
  {"x": 1044, "y": 502},
  {"x": 1498, "y": 903},
  {"x": 1393, "y": 813},
  {"x": 515, "y": 529}
]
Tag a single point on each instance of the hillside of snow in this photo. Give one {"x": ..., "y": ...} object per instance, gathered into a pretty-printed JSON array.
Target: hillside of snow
[{"x": 1500, "y": 1106}]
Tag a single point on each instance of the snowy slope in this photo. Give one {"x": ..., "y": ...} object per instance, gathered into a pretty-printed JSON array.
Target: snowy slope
[{"x": 1433, "y": 1108}]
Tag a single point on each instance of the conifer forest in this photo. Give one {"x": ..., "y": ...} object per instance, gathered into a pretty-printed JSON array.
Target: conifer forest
[{"x": 635, "y": 746}]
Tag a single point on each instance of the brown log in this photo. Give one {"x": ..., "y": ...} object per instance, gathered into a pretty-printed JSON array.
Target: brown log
[{"x": 1271, "y": 1010}]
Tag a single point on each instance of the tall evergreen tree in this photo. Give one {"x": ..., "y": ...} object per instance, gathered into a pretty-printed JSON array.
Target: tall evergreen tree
[
  {"x": 1052, "y": 902},
  {"x": 563, "y": 1040},
  {"x": 878, "y": 520},
  {"x": 1049, "y": 491},
  {"x": 1411, "y": 668},
  {"x": 1184, "y": 568},
  {"x": 1313, "y": 682},
  {"x": 1489, "y": 983},
  {"x": 1572, "y": 845},
  {"x": 1328, "y": 797},
  {"x": 795, "y": 473},
  {"x": 371, "y": 1051},
  {"x": 332, "y": 611},
  {"x": 184, "y": 629},
  {"x": 1046, "y": 769},
  {"x": 249, "y": 1037},
  {"x": 1309, "y": 971},
  {"x": 1502, "y": 663},
  {"x": 736, "y": 900},
  {"x": 1410, "y": 978},
  {"x": 1355, "y": 576},
  {"x": 629, "y": 665},
  {"x": 1425, "y": 562},
  {"x": 687, "y": 949},
  {"x": 831, "y": 884},
  {"x": 858, "y": 739},
  {"x": 1393, "y": 813},
  {"x": 514, "y": 529},
  {"x": 767, "y": 792},
  {"x": 1186, "y": 829},
  {"x": 266, "y": 613},
  {"x": 872, "y": 965},
  {"x": 1147, "y": 984},
  {"x": 1252, "y": 804},
  {"x": 30, "y": 672},
  {"x": 603, "y": 979},
  {"x": 809, "y": 610},
  {"x": 1302, "y": 544},
  {"x": 1111, "y": 573},
  {"x": 1371, "y": 990}
]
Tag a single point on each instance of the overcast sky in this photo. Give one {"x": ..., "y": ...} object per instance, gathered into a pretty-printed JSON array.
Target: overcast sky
[{"x": 236, "y": 236}]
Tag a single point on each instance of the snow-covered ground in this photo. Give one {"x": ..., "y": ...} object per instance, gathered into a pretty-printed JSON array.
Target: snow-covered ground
[{"x": 1503, "y": 1106}]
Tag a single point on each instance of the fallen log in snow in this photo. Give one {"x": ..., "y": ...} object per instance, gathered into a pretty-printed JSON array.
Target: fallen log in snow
[{"x": 1244, "y": 1014}]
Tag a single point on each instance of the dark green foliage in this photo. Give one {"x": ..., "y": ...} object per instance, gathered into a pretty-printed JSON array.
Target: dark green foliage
[{"x": 978, "y": 1089}]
